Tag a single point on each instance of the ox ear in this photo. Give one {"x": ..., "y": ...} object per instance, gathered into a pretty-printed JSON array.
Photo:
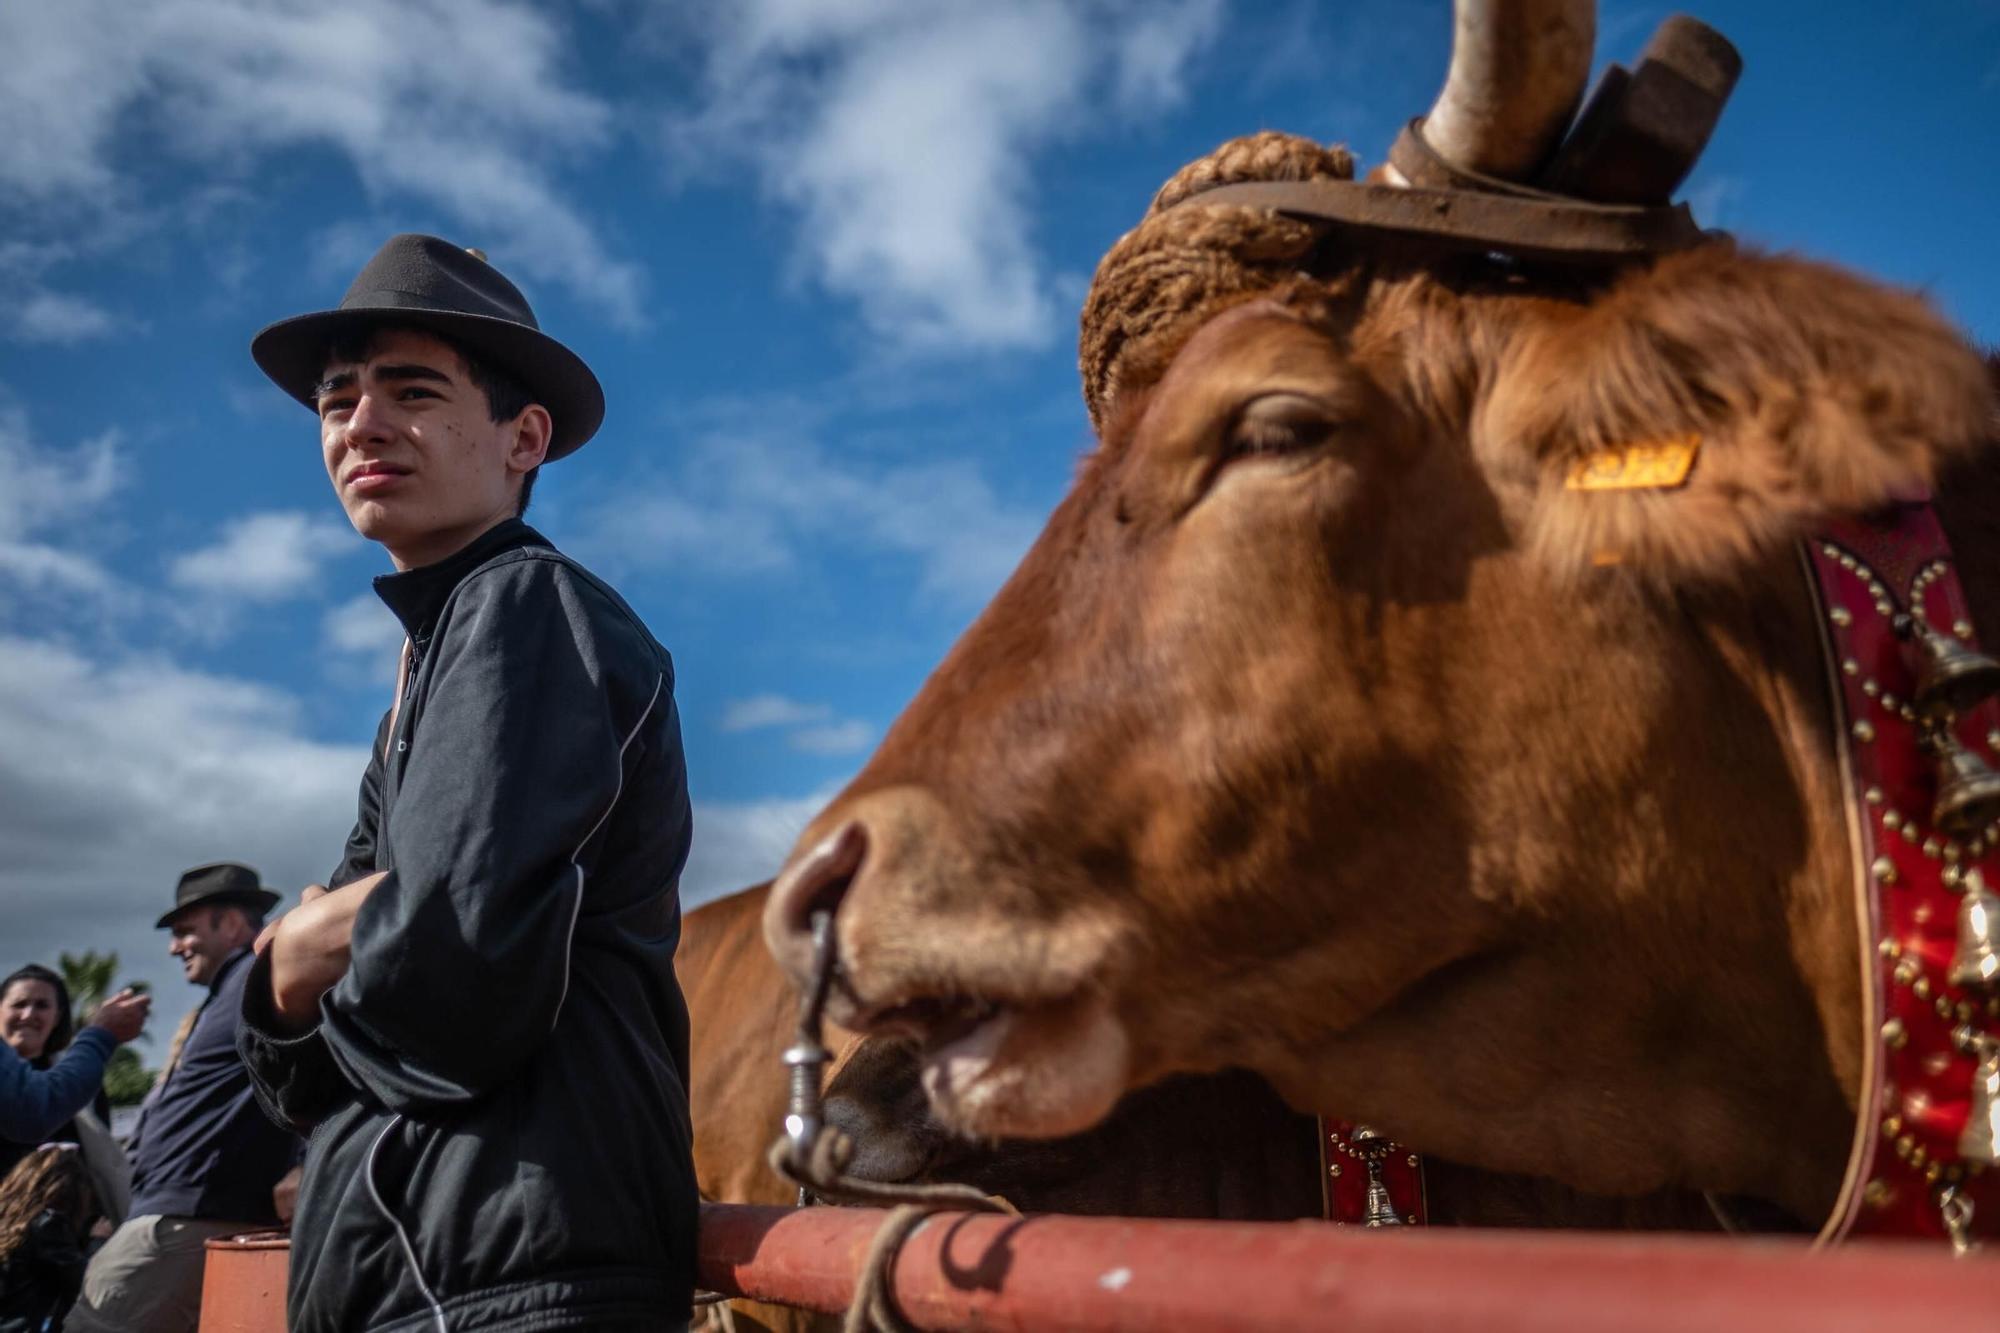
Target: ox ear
[{"x": 1699, "y": 413}]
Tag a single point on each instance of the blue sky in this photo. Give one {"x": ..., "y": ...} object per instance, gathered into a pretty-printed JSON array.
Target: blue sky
[{"x": 826, "y": 258}]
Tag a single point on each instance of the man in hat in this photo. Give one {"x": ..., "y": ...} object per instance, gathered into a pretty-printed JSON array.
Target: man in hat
[
  {"x": 480, "y": 1021},
  {"x": 205, "y": 1158}
]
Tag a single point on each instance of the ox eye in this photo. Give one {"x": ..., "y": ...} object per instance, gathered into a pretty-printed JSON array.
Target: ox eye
[{"x": 1280, "y": 423}]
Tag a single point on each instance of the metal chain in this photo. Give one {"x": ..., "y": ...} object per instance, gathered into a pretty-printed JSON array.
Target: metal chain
[{"x": 814, "y": 1155}]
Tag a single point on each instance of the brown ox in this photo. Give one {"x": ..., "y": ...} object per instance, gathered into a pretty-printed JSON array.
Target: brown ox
[
  {"x": 1160, "y": 1155},
  {"x": 1213, "y": 1146},
  {"x": 1326, "y": 733}
]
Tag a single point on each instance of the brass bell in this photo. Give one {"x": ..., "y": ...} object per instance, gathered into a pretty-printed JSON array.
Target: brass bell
[
  {"x": 1380, "y": 1210},
  {"x": 1968, "y": 792},
  {"x": 1951, "y": 678},
  {"x": 1981, "y": 1140},
  {"x": 1975, "y": 962}
]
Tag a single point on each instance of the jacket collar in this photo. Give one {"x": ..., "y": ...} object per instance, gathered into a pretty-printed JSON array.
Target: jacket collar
[
  {"x": 236, "y": 956},
  {"x": 418, "y": 595}
]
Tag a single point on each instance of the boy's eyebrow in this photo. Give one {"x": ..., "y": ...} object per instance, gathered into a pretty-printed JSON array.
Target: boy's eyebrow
[
  {"x": 413, "y": 370},
  {"x": 340, "y": 379}
]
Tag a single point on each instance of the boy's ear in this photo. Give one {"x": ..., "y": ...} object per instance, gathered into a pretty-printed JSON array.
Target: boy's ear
[
  {"x": 532, "y": 432},
  {"x": 1784, "y": 390}
]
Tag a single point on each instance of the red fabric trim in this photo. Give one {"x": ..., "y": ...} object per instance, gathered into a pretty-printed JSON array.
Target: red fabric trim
[
  {"x": 1869, "y": 570},
  {"x": 1346, "y": 1180}
]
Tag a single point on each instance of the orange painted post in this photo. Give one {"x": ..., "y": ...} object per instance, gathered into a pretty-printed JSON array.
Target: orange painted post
[
  {"x": 966, "y": 1271},
  {"x": 243, "y": 1283}
]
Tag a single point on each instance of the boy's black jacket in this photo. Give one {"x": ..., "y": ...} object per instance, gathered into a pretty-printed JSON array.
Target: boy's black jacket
[{"x": 496, "y": 1091}]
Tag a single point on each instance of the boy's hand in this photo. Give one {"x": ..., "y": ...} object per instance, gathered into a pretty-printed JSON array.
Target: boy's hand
[
  {"x": 285, "y": 1195},
  {"x": 270, "y": 932},
  {"x": 309, "y": 949}
]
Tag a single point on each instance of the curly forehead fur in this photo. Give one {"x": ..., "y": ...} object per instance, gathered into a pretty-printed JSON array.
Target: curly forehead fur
[{"x": 1810, "y": 389}]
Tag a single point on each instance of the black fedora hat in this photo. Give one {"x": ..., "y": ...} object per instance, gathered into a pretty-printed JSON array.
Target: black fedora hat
[
  {"x": 220, "y": 882},
  {"x": 426, "y": 283}
]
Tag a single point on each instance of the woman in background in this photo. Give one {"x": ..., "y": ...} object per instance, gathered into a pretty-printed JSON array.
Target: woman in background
[
  {"x": 35, "y": 1020},
  {"x": 37, "y": 1023},
  {"x": 45, "y": 1208}
]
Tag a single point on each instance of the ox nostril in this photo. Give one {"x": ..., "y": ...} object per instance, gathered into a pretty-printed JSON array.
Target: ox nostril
[{"x": 818, "y": 880}]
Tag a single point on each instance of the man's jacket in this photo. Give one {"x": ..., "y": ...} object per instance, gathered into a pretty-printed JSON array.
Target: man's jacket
[
  {"x": 496, "y": 1091},
  {"x": 202, "y": 1148}
]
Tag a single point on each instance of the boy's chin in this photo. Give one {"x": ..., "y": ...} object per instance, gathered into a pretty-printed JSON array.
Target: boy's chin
[{"x": 375, "y": 521}]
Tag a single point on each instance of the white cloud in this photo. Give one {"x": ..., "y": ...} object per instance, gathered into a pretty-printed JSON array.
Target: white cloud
[
  {"x": 460, "y": 105},
  {"x": 57, "y": 317},
  {"x": 265, "y": 557},
  {"x": 747, "y": 504},
  {"x": 770, "y": 710},
  {"x": 901, "y": 132},
  {"x": 834, "y": 738},
  {"x": 363, "y": 625},
  {"x": 362, "y": 634},
  {"x": 43, "y": 492},
  {"x": 813, "y": 729},
  {"x": 43, "y": 489},
  {"x": 114, "y": 777},
  {"x": 44, "y": 567},
  {"x": 737, "y": 844}
]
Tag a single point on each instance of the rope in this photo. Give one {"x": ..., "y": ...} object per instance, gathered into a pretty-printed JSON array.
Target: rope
[
  {"x": 712, "y": 1311},
  {"x": 814, "y": 1156},
  {"x": 824, "y": 1173},
  {"x": 1162, "y": 279}
]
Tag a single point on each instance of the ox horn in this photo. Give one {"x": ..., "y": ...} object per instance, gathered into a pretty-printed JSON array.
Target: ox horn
[{"x": 1518, "y": 69}]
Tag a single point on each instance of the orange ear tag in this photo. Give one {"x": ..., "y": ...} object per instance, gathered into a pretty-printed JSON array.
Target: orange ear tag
[{"x": 1658, "y": 465}]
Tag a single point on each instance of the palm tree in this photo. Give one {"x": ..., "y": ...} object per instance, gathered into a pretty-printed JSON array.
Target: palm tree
[{"x": 88, "y": 976}]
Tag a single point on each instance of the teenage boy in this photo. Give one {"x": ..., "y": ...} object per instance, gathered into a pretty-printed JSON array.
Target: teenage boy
[{"x": 480, "y": 1018}]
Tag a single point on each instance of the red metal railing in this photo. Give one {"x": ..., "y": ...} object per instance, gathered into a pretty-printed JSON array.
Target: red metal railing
[{"x": 1093, "y": 1275}]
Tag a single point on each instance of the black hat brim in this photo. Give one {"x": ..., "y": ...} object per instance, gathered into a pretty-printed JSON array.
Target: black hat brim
[
  {"x": 260, "y": 900},
  {"x": 292, "y": 352}
]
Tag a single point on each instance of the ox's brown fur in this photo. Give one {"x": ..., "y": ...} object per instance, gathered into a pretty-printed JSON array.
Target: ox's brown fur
[
  {"x": 1316, "y": 736},
  {"x": 1220, "y": 1146},
  {"x": 742, "y": 1013},
  {"x": 1199, "y": 1146}
]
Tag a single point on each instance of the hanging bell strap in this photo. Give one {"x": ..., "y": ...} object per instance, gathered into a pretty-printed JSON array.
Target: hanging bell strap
[
  {"x": 1918, "y": 742},
  {"x": 1369, "y": 1180},
  {"x": 1952, "y": 679}
]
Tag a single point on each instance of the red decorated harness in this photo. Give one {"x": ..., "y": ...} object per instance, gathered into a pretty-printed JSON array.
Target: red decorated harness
[{"x": 1913, "y": 760}]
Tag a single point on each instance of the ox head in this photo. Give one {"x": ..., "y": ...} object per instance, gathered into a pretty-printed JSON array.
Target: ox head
[{"x": 1327, "y": 711}]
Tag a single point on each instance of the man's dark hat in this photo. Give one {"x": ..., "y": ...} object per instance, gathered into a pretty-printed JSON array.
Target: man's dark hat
[
  {"x": 426, "y": 283},
  {"x": 221, "y": 883}
]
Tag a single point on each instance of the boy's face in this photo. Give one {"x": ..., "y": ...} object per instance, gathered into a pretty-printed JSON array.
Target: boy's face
[{"x": 413, "y": 452}]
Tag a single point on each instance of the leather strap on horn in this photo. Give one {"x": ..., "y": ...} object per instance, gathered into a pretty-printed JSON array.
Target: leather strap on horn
[
  {"x": 1522, "y": 223},
  {"x": 1423, "y": 166}
]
